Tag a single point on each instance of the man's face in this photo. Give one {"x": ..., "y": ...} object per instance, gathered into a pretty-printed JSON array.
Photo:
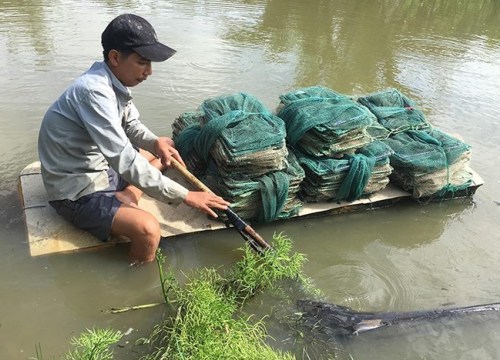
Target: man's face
[{"x": 131, "y": 70}]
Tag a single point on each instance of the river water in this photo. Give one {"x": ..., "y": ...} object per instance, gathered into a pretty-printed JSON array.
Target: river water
[{"x": 444, "y": 54}]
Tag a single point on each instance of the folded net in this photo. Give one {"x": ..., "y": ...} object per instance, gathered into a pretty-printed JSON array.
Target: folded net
[{"x": 321, "y": 122}]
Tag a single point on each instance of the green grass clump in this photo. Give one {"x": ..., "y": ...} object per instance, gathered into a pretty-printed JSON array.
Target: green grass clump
[
  {"x": 93, "y": 345},
  {"x": 254, "y": 273},
  {"x": 207, "y": 324}
]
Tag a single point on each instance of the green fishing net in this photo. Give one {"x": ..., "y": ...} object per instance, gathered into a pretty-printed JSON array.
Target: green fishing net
[
  {"x": 321, "y": 122},
  {"x": 429, "y": 163},
  {"x": 319, "y": 146},
  {"x": 347, "y": 178},
  {"x": 237, "y": 147},
  {"x": 394, "y": 111},
  {"x": 261, "y": 199}
]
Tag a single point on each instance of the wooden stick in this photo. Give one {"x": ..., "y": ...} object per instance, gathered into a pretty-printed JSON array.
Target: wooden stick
[
  {"x": 135, "y": 307},
  {"x": 232, "y": 216}
]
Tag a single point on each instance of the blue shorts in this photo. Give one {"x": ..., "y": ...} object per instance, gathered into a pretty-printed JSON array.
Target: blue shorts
[{"x": 95, "y": 212}]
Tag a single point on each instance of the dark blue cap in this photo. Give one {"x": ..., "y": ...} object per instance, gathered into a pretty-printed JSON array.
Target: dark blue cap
[{"x": 132, "y": 32}]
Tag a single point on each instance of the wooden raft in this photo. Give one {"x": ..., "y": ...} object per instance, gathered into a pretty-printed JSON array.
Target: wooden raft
[{"x": 49, "y": 233}]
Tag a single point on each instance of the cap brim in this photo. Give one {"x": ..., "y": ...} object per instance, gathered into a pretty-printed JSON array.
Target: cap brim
[{"x": 155, "y": 52}]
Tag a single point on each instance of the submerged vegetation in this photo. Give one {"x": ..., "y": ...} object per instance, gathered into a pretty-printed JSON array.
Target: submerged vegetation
[
  {"x": 206, "y": 319},
  {"x": 93, "y": 344},
  {"x": 207, "y": 324}
]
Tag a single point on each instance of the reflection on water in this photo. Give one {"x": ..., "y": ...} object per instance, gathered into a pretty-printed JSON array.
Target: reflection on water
[
  {"x": 443, "y": 53},
  {"x": 345, "y": 51}
]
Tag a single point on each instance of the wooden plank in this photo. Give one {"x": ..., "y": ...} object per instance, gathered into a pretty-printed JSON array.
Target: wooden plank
[{"x": 48, "y": 233}]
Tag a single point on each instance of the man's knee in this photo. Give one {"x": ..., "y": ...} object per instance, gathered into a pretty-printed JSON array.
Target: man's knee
[
  {"x": 150, "y": 228},
  {"x": 146, "y": 241},
  {"x": 142, "y": 228}
]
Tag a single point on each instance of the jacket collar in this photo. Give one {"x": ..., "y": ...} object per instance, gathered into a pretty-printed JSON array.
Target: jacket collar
[{"x": 118, "y": 86}]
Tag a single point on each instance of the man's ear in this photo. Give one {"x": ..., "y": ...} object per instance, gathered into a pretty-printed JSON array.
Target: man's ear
[{"x": 114, "y": 57}]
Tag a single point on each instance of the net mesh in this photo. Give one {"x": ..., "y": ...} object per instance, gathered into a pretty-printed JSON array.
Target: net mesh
[
  {"x": 347, "y": 178},
  {"x": 429, "y": 163},
  {"x": 322, "y": 122},
  {"x": 238, "y": 147},
  {"x": 394, "y": 111},
  {"x": 319, "y": 145}
]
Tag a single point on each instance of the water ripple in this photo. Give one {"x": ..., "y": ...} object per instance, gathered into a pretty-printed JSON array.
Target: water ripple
[
  {"x": 454, "y": 79},
  {"x": 368, "y": 281}
]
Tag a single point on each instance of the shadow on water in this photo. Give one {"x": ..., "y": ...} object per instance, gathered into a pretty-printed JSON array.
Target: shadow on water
[
  {"x": 313, "y": 329},
  {"x": 335, "y": 320},
  {"x": 442, "y": 337},
  {"x": 12, "y": 226}
]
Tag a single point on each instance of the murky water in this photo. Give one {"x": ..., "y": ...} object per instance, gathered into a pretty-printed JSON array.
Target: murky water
[{"x": 444, "y": 54}]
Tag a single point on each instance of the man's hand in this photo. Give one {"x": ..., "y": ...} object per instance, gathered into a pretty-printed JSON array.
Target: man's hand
[
  {"x": 205, "y": 201},
  {"x": 165, "y": 150}
]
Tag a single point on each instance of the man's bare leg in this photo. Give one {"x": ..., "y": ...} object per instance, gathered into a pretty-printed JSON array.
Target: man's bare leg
[{"x": 143, "y": 230}]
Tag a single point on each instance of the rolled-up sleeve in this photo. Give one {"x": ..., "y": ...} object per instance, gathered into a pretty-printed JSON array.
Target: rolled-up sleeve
[{"x": 103, "y": 123}]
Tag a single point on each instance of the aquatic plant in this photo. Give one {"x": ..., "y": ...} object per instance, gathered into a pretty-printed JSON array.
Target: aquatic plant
[
  {"x": 94, "y": 344},
  {"x": 254, "y": 273},
  {"x": 205, "y": 322}
]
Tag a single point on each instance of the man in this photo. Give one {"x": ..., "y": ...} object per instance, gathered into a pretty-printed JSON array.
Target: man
[{"x": 97, "y": 158}]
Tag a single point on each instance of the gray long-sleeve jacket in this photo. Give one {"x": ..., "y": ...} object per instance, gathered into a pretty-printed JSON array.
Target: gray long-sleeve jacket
[{"x": 94, "y": 125}]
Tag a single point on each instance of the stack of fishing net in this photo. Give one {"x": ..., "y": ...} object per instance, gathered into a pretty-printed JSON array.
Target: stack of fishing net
[
  {"x": 239, "y": 148},
  {"x": 347, "y": 178},
  {"x": 430, "y": 163},
  {"x": 426, "y": 161},
  {"x": 328, "y": 131},
  {"x": 186, "y": 120},
  {"x": 395, "y": 112},
  {"x": 382, "y": 168},
  {"x": 296, "y": 175},
  {"x": 184, "y": 131},
  {"x": 321, "y": 122},
  {"x": 268, "y": 197}
]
